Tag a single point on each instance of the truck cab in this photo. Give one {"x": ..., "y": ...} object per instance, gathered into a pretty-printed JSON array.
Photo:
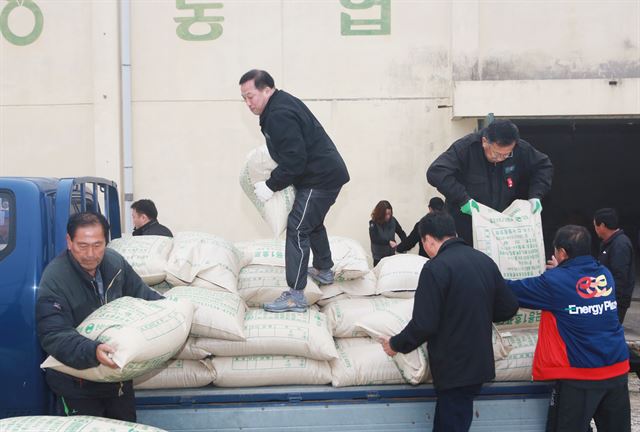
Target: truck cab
[{"x": 33, "y": 224}]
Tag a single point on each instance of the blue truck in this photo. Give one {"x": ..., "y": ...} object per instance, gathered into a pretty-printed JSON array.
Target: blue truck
[{"x": 33, "y": 217}]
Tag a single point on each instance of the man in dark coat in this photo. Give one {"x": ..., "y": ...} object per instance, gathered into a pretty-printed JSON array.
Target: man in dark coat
[
  {"x": 460, "y": 293},
  {"x": 73, "y": 285},
  {"x": 308, "y": 160},
  {"x": 616, "y": 254},
  {"x": 493, "y": 167},
  {"x": 145, "y": 219},
  {"x": 435, "y": 204}
]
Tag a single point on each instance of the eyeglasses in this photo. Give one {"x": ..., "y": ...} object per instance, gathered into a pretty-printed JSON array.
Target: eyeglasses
[{"x": 499, "y": 156}]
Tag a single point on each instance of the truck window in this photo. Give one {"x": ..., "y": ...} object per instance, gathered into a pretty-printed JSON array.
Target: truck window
[{"x": 7, "y": 223}]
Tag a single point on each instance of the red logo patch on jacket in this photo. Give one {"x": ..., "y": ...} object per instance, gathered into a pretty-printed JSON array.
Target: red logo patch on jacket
[{"x": 590, "y": 287}]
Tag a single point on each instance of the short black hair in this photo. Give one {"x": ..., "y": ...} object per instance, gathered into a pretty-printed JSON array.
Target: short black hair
[
  {"x": 260, "y": 78},
  {"x": 146, "y": 207},
  {"x": 574, "y": 239},
  {"x": 608, "y": 217},
  {"x": 436, "y": 204},
  {"x": 502, "y": 132},
  {"x": 83, "y": 219},
  {"x": 438, "y": 225}
]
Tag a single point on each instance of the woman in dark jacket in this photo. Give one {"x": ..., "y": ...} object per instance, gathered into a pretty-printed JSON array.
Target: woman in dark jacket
[{"x": 383, "y": 228}]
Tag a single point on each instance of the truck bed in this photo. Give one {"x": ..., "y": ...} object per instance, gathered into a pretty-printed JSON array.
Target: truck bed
[{"x": 501, "y": 406}]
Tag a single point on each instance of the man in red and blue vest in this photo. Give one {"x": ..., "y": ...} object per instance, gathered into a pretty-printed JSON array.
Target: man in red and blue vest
[{"x": 581, "y": 343}]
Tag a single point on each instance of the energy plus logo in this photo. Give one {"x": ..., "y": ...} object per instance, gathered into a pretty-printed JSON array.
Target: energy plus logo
[{"x": 591, "y": 287}]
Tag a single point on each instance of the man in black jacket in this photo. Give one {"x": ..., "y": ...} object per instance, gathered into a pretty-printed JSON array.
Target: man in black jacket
[
  {"x": 308, "y": 160},
  {"x": 493, "y": 167},
  {"x": 616, "y": 254},
  {"x": 460, "y": 293},
  {"x": 145, "y": 219},
  {"x": 435, "y": 204},
  {"x": 75, "y": 284}
]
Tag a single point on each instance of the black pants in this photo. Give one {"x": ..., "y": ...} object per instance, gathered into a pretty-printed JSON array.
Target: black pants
[
  {"x": 118, "y": 408},
  {"x": 622, "y": 311},
  {"x": 574, "y": 403},
  {"x": 305, "y": 230},
  {"x": 454, "y": 408}
]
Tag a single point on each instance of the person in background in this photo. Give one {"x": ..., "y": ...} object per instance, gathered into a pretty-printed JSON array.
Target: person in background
[
  {"x": 435, "y": 204},
  {"x": 383, "y": 228},
  {"x": 76, "y": 283},
  {"x": 145, "y": 219},
  {"x": 460, "y": 293},
  {"x": 581, "y": 344},
  {"x": 493, "y": 167},
  {"x": 616, "y": 254}
]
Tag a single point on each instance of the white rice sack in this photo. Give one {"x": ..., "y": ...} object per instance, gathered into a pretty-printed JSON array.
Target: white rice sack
[
  {"x": 178, "y": 374},
  {"x": 259, "y": 284},
  {"x": 330, "y": 292},
  {"x": 413, "y": 366},
  {"x": 144, "y": 335},
  {"x": 210, "y": 258},
  {"x": 276, "y": 210},
  {"x": 290, "y": 333},
  {"x": 148, "y": 255},
  {"x": 268, "y": 252},
  {"x": 349, "y": 259},
  {"x": 362, "y": 361},
  {"x": 328, "y": 298},
  {"x": 524, "y": 319},
  {"x": 190, "y": 351},
  {"x": 513, "y": 239},
  {"x": 71, "y": 424},
  {"x": 398, "y": 275},
  {"x": 518, "y": 365},
  {"x": 217, "y": 314},
  {"x": 269, "y": 370},
  {"x": 361, "y": 287},
  {"x": 343, "y": 315}
]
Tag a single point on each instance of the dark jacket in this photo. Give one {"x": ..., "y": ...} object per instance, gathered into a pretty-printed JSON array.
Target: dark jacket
[
  {"x": 66, "y": 296},
  {"x": 460, "y": 293},
  {"x": 580, "y": 336},
  {"x": 153, "y": 228},
  {"x": 412, "y": 239},
  {"x": 616, "y": 254},
  {"x": 381, "y": 235},
  {"x": 463, "y": 172},
  {"x": 297, "y": 142}
]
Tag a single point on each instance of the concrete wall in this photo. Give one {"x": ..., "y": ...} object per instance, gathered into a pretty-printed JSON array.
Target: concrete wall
[{"x": 391, "y": 102}]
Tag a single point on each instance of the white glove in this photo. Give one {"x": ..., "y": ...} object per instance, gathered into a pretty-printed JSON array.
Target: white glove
[{"x": 262, "y": 191}]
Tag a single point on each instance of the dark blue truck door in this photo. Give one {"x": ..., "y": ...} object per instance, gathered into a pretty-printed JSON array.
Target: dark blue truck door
[{"x": 22, "y": 259}]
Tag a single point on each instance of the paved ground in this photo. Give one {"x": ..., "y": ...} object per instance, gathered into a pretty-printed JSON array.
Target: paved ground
[
  {"x": 632, "y": 332},
  {"x": 634, "y": 395}
]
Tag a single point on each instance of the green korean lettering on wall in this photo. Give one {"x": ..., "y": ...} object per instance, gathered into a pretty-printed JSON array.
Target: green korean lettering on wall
[
  {"x": 378, "y": 24},
  {"x": 38, "y": 22},
  {"x": 185, "y": 24}
]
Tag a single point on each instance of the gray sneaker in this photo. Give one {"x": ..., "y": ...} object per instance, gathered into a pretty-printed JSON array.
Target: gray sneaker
[
  {"x": 323, "y": 277},
  {"x": 287, "y": 302}
]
